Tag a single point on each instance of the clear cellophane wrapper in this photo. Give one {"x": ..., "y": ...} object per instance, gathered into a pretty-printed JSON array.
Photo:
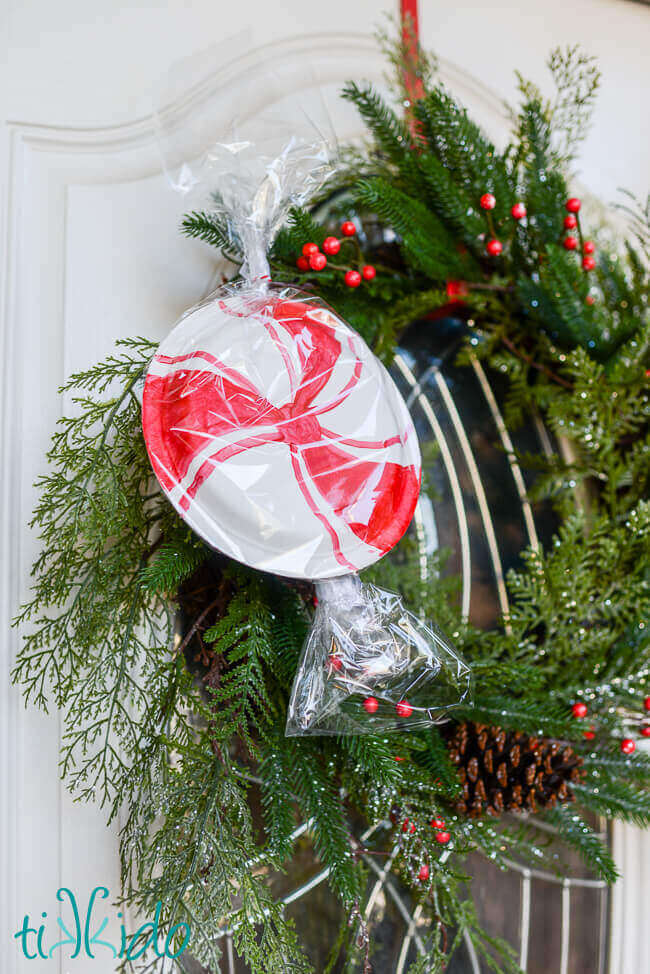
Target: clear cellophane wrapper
[{"x": 284, "y": 443}]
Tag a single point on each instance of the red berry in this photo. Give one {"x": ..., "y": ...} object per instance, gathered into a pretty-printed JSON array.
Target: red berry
[
  {"x": 588, "y": 263},
  {"x": 646, "y": 703},
  {"x": 645, "y": 731},
  {"x": 398, "y": 758},
  {"x": 570, "y": 243},
  {"x": 628, "y": 746},
  {"x": 456, "y": 289},
  {"x": 317, "y": 261},
  {"x": 408, "y": 826},
  {"x": 370, "y": 705},
  {"x": 348, "y": 228},
  {"x": 589, "y": 299},
  {"x": 336, "y": 662},
  {"x": 488, "y": 202},
  {"x": 518, "y": 211},
  {"x": 309, "y": 248},
  {"x": 331, "y": 245},
  {"x": 570, "y": 222},
  {"x": 442, "y": 837},
  {"x": 573, "y": 205},
  {"x": 437, "y": 823},
  {"x": 494, "y": 247},
  {"x": 404, "y": 708},
  {"x": 579, "y": 710},
  {"x": 303, "y": 264},
  {"x": 588, "y": 247},
  {"x": 590, "y": 734},
  {"x": 352, "y": 278},
  {"x": 368, "y": 272},
  {"x": 423, "y": 875}
]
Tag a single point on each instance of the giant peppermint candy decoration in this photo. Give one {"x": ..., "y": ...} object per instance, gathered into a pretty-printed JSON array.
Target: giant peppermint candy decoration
[{"x": 278, "y": 435}]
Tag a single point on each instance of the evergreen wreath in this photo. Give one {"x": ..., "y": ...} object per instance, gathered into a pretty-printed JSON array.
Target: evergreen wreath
[{"x": 172, "y": 664}]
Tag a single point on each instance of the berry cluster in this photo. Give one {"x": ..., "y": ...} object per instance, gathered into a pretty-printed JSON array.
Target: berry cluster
[
  {"x": 312, "y": 258},
  {"x": 370, "y": 704},
  {"x": 494, "y": 247},
  {"x": 627, "y": 745},
  {"x": 488, "y": 201},
  {"x": 441, "y": 835},
  {"x": 403, "y": 708},
  {"x": 571, "y": 242}
]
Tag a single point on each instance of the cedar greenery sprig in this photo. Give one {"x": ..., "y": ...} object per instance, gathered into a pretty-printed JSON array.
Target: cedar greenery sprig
[{"x": 576, "y": 77}]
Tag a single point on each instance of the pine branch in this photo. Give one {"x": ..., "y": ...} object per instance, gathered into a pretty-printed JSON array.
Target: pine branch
[
  {"x": 616, "y": 800},
  {"x": 213, "y": 231},
  {"x": 577, "y": 833},
  {"x": 276, "y": 759},
  {"x": 429, "y": 247},
  {"x": 370, "y": 758},
  {"x": 391, "y": 133},
  {"x": 318, "y": 799},
  {"x": 301, "y": 229}
]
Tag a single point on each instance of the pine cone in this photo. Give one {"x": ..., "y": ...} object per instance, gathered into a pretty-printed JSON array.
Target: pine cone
[{"x": 510, "y": 771}]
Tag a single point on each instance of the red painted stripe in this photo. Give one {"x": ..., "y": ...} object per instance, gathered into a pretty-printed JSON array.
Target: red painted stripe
[
  {"x": 236, "y": 377},
  {"x": 361, "y": 444},
  {"x": 313, "y": 507}
]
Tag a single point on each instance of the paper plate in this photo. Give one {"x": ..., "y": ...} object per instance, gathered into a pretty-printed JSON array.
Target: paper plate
[{"x": 279, "y": 437}]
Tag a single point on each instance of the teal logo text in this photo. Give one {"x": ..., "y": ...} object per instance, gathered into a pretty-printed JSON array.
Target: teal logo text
[{"x": 86, "y": 934}]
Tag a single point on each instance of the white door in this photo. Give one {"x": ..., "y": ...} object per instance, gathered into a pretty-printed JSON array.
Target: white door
[{"x": 91, "y": 253}]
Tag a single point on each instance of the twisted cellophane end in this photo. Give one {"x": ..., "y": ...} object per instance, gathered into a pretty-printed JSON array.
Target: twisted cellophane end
[
  {"x": 370, "y": 666},
  {"x": 244, "y": 160}
]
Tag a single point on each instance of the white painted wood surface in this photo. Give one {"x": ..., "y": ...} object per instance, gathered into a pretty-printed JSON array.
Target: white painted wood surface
[{"x": 91, "y": 253}]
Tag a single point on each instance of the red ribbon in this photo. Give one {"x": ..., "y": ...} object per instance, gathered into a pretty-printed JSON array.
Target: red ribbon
[
  {"x": 409, "y": 11},
  {"x": 410, "y": 35}
]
